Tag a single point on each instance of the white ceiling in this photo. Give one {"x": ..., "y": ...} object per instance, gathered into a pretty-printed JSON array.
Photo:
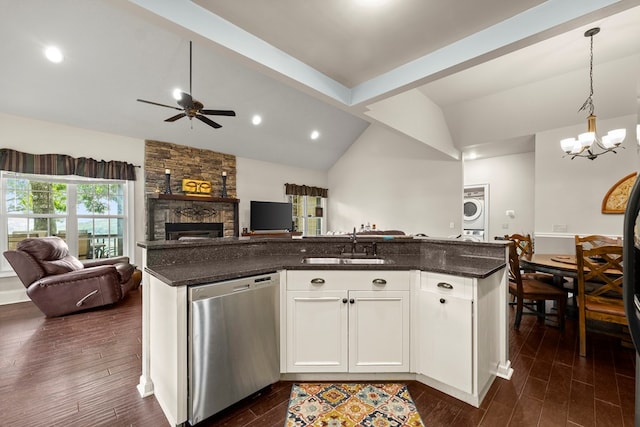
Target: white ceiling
[
  {"x": 351, "y": 42},
  {"x": 307, "y": 65}
]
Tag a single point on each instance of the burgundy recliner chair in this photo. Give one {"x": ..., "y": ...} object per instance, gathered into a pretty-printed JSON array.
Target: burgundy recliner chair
[{"x": 60, "y": 284}]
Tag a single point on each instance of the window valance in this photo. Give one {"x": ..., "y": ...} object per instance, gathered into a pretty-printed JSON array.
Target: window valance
[
  {"x": 305, "y": 190},
  {"x": 61, "y": 164}
]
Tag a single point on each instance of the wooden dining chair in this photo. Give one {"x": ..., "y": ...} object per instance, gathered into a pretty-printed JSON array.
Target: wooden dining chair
[
  {"x": 524, "y": 244},
  {"x": 531, "y": 293},
  {"x": 595, "y": 240},
  {"x": 599, "y": 287},
  {"x": 524, "y": 249}
]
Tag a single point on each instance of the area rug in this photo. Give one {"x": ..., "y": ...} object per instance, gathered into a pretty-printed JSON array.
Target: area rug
[{"x": 351, "y": 405}]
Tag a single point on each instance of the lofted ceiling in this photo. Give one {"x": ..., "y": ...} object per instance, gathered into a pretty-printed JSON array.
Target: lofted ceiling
[{"x": 317, "y": 64}]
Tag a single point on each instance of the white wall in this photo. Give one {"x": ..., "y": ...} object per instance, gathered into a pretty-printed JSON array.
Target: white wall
[
  {"x": 388, "y": 179},
  {"x": 511, "y": 187},
  {"x": 570, "y": 192},
  {"x": 264, "y": 181},
  {"x": 38, "y": 137},
  {"x": 417, "y": 116}
]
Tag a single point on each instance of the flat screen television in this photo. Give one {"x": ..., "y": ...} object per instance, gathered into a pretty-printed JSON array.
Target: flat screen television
[{"x": 271, "y": 216}]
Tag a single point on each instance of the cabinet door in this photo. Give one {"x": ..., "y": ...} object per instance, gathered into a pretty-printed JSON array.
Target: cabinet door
[
  {"x": 317, "y": 331},
  {"x": 379, "y": 331},
  {"x": 445, "y": 339}
]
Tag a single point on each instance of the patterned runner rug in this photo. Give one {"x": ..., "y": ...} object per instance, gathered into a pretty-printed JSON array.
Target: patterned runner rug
[{"x": 350, "y": 405}]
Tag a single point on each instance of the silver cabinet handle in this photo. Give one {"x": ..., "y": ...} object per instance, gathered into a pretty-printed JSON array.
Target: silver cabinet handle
[
  {"x": 317, "y": 281},
  {"x": 380, "y": 282},
  {"x": 445, "y": 285}
]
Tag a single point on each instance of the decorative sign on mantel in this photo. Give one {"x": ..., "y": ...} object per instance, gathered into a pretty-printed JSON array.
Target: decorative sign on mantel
[
  {"x": 615, "y": 201},
  {"x": 194, "y": 187}
]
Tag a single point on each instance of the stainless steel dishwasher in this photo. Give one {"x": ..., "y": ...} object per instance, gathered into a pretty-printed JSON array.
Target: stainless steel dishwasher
[{"x": 233, "y": 342}]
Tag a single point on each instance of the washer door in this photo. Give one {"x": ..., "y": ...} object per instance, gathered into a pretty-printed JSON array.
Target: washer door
[{"x": 472, "y": 209}]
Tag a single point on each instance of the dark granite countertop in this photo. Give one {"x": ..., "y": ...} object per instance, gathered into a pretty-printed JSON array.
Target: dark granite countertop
[{"x": 186, "y": 274}]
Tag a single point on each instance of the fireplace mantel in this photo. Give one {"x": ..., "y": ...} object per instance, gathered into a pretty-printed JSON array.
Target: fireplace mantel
[
  {"x": 154, "y": 197},
  {"x": 185, "y": 197}
]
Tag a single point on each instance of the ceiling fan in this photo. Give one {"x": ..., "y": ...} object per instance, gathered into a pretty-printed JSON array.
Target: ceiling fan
[{"x": 191, "y": 107}]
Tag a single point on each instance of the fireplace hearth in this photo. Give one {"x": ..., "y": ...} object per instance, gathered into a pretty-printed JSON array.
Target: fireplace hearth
[{"x": 176, "y": 230}]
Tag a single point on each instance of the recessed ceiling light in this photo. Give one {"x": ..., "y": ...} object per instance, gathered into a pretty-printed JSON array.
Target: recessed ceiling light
[
  {"x": 371, "y": 3},
  {"x": 53, "y": 54},
  {"x": 256, "y": 119},
  {"x": 315, "y": 135}
]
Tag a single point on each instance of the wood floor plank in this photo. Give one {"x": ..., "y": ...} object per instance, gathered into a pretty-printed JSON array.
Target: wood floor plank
[
  {"x": 553, "y": 413},
  {"x": 526, "y": 412},
  {"x": 607, "y": 414},
  {"x": 582, "y": 404}
]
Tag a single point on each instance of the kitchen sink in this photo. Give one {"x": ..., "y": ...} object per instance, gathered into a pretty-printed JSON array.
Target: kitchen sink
[
  {"x": 347, "y": 261},
  {"x": 364, "y": 261},
  {"x": 321, "y": 260}
]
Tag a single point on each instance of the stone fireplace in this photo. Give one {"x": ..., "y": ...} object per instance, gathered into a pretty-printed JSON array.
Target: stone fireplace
[{"x": 193, "y": 213}]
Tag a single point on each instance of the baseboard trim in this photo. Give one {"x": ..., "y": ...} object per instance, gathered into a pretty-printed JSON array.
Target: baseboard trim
[
  {"x": 571, "y": 236},
  {"x": 13, "y": 296}
]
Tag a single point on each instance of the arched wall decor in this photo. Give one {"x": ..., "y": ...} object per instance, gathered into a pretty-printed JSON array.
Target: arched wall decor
[{"x": 615, "y": 201}]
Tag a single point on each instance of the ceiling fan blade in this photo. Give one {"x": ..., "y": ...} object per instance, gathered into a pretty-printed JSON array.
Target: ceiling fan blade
[
  {"x": 208, "y": 121},
  {"x": 161, "y": 105},
  {"x": 176, "y": 117},
  {"x": 218, "y": 112}
]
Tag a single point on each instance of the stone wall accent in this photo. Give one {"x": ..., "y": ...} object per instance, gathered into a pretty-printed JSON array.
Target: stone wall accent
[
  {"x": 187, "y": 162},
  {"x": 194, "y": 163}
]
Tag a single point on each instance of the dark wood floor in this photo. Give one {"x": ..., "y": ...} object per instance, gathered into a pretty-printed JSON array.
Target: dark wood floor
[{"x": 82, "y": 370}]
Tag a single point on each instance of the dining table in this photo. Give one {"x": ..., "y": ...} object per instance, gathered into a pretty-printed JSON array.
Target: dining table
[{"x": 559, "y": 265}]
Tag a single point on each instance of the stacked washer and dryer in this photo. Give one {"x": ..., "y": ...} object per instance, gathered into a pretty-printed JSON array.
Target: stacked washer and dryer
[{"x": 475, "y": 217}]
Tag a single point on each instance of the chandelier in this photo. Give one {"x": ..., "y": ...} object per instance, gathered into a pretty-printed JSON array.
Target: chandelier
[{"x": 589, "y": 144}]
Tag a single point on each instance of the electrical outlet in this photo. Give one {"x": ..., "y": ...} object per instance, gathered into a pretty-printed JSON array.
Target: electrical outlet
[
  {"x": 559, "y": 228},
  {"x": 505, "y": 226},
  {"x": 452, "y": 225}
]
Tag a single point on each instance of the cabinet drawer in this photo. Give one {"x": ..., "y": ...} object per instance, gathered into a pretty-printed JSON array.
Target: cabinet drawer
[
  {"x": 308, "y": 280},
  {"x": 445, "y": 284}
]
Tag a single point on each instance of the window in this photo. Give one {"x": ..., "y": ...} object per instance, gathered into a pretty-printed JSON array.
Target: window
[
  {"x": 89, "y": 214},
  {"x": 308, "y": 214}
]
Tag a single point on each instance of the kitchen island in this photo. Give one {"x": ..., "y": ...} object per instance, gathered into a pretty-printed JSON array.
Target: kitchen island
[{"x": 436, "y": 308}]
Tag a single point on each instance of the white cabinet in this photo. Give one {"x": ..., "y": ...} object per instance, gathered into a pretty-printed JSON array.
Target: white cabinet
[
  {"x": 347, "y": 321},
  {"x": 446, "y": 330},
  {"x": 317, "y": 331},
  {"x": 461, "y": 334},
  {"x": 378, "y": 331}
]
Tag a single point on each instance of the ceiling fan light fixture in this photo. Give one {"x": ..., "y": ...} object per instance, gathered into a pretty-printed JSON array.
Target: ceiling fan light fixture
[
  {"x": 177, "y": 94},
  {"x": 53, "y": 54}
]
